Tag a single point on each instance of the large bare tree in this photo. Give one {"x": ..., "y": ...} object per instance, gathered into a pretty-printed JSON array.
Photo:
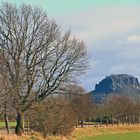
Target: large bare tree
[{"x": 36, "y": 58}]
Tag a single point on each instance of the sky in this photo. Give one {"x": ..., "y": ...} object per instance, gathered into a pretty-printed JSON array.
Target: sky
[{"x": 109, "y": 28}]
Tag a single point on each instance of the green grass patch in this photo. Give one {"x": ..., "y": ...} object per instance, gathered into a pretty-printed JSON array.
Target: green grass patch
[
  {"x": 91, "y": 123},
  {"x": 11, "y": 124},
  {"x": 125, "y": 136}
]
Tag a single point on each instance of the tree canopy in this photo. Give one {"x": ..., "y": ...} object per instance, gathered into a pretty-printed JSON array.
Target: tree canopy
[{"x": 36, "y": 57}]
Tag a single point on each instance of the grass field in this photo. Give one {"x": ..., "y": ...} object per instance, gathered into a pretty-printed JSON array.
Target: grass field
[
  {"x": 11, "y": 124},
  {"x": 126, "y": 132},
  {"x": 126, "y": 136}
]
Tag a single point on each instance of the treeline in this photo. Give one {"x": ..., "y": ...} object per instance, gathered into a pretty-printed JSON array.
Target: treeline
[
  {"x": 119, "y": 109},
  {"x": 60, "y": 114}
]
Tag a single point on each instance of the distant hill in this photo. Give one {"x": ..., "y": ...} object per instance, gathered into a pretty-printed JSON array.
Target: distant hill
[{"x": 116, "y": 84}]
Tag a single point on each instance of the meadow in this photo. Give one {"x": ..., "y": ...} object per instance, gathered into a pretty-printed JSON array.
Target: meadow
[
  {"x": 11, "y": 124},
  {"x": 126, "y": 132},
  {"x": 125, "y": 136}
]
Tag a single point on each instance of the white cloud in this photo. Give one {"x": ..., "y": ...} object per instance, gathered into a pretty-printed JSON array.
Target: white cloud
[
  {"x": 134, "y": 38},
  {"x": 93, "y": 63},
  {"x": 129, "y": 56},
  {"x": 100, "y": 23},
  {"x": 126, "y": 68},
  {"x": 128, "y": 48}
]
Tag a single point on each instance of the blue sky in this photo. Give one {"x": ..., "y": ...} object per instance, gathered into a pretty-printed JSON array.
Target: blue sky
[{"x": 111, "y": 31}]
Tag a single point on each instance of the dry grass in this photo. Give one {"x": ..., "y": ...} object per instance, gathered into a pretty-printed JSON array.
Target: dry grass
[
  {"x": 32, "y": 136},
  {"x": 23, "y": 137},
  {"x": 92, "y": 131},
  {"x": 78, "y": 132}
]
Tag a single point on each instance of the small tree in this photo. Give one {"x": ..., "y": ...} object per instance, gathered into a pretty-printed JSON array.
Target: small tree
[
  {"x": 36, "y": 57},
  {"x": 53, "y": 116},
  {"x": 81, "y": 103}
]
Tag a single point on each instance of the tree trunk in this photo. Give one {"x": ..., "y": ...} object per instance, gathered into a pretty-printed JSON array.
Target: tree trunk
[
  {"x": 122, "y": 120},
  {"x": 19, "y": 129},
  {"x": 112, "y": 121},
  {"x": 101, "y": 121},
  {"x": 6, "y": 119},
  {"x": 106, "y": 121},
  {"x": 77, "y": 121},
  {"x": 44, "y": 135},
  {"x": 28, "y": 124},
  {"x": 138, "y": 119},
  {"x": 126, "y": 119},
  {"x": 133, "y": 119},
  {"x": 82, "y": 122},
  {"x": 117, "y": 121}
]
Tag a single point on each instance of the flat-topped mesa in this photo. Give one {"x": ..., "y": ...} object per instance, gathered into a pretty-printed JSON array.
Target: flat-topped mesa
[
  {"x": 122, "y": 84},
  {"x": 118, "y": 83}
]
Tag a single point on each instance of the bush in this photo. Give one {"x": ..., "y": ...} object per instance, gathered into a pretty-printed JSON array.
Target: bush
[{"x": 54, "y": 118}]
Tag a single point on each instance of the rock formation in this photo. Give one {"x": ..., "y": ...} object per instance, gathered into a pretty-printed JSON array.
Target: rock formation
[{"x": 117, "y": 84}]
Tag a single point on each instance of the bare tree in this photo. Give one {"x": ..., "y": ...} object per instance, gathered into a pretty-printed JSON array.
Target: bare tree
[
  {"x": 36, "y": 57},
  {"x": 82, "y": 103},
  {"x": 4, "y": 105},
  {"x": 120, "y": 108},
  {"x": 53, "y": 116}
]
